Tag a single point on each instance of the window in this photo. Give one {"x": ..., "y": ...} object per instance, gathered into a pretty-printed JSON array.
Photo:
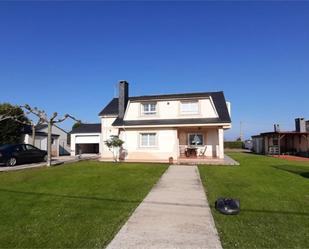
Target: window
[
  {"x": 196, "y": 139},
  {"x": 149, "y": 109},
  {"x": 148, "y": 139},
  {"x": 30, "y": 147},
  {"x": 189, "y": 107},
  {"x": 18, "y": 148}
]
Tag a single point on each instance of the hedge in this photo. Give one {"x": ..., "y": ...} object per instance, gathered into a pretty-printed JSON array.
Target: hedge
[{"x": 233, "y": 144}]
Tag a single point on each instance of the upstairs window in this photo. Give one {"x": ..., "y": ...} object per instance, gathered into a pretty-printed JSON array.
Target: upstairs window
[
  {"x": 149, "y": 109},
  {"x": 189, "y": 107}
]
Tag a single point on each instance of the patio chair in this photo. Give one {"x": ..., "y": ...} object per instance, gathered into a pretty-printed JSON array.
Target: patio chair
[{"x": 203, "y": 151}]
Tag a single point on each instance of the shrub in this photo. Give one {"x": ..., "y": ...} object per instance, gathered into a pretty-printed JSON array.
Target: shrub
[{"x": 233, "y": 144}]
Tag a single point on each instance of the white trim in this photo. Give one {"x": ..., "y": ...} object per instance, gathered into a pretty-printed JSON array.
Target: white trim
[
  {"x": 141, "y": 109},
  {"x": 180, "y": 113},
  {"x": 140, "y": 146},
  {"x": 109, "y": 116},
  {"x": 224, "y": 125},
  {"x": 213, "y": 105},
  {"x": 126, "y": 110}
]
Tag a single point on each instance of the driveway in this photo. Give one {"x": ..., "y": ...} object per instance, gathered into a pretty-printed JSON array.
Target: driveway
[
  {"x": 55, "y": 161},
  {"x": 175, "y": 214}
]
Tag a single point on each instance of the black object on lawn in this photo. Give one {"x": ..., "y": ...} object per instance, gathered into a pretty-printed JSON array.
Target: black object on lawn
[{"x": 228, "y": 206}]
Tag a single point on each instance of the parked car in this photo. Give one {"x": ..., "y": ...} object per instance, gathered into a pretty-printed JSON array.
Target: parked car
[{"x": 12, "y": 154}]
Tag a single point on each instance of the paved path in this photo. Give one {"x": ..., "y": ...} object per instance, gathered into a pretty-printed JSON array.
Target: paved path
[
  {"x": 55, "y": 161},
  {"x": 175, "y": 214}
]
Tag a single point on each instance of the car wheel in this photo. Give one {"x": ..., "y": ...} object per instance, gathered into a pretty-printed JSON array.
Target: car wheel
[
  {"x": 45, "y": 158},
  {"x": 11, "y": 162}
]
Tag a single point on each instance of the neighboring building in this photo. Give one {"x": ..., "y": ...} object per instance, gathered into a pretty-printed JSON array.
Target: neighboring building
[
  {"x": 158, "y": 127},
  {"x": 284, "y": 142},
  {"x": 60, "y": 139},
  {"x": 248, "y": 144}
]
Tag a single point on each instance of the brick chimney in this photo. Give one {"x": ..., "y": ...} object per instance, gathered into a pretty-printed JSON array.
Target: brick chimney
[
  {"x": 300, "y": 125},
  {"x": 123, "y": 98}
]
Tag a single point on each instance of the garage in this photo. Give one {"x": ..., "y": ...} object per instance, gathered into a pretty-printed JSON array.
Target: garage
[
  {"x": 85, "y": 139},
  {"x": 87, "y": 144}
]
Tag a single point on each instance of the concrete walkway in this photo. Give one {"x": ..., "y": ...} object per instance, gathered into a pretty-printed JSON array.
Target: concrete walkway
[
  {"x": 175, "y": 214},
  {"x": 55, "y": 161}
]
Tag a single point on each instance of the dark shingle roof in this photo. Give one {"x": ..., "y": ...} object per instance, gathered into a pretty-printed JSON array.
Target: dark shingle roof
[
  {"x": 27, "y": 129},
  {"x": 217, "y": 97},
  {"x": 120, "y": 122},
  {"x": 87, "y": 128},
  {"x": 111, "y": 108}
]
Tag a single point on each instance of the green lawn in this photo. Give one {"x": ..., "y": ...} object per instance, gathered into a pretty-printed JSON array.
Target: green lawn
[
  {"x": 274, "y": 198},
  {"x": 81, "y": 205}
]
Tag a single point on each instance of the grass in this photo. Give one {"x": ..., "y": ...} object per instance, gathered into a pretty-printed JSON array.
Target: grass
[
  {"x": 81, "y": 205},
  {"x": 274, "y": 199}
]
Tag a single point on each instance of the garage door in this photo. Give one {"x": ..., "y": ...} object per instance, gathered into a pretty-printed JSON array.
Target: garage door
[
  {"x": 87, "y": 148},
  {"x": 87, "y": 139}
]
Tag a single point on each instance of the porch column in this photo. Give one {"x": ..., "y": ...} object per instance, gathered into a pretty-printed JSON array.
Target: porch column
[{"x": 220, "y": 152}]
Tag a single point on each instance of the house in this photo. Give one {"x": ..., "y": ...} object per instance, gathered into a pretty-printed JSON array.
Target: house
[
  {"x": 280, "y": 142},
  {"x": 60, "y": 139},
  {"x": 159, "y": 127}
]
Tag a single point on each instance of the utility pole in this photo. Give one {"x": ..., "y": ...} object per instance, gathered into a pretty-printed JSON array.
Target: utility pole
[{"x": 241, "y": 133}]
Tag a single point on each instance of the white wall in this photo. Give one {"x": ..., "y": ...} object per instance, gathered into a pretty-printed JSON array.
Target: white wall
[
  {"x": 167, "y": 144},
  {"x": 107, "y": 131},
  {"x": 64, "y": 148},
  {"x": 170, "y": 109},
  {"x": 41, "y": 143}
]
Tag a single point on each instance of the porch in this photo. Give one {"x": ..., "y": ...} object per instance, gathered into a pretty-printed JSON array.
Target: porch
[
  {"x": 200, "y": 145},
  {"x": 207, "y": 161}
]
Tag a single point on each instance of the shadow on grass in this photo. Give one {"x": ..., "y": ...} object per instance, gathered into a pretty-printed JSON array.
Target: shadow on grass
[
  {"x": 69, "y": 196},
  {"x": 294, "y": 170}
]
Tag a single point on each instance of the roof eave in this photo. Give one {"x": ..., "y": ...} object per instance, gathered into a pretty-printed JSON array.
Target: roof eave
[{"x": 223, "y": 125}]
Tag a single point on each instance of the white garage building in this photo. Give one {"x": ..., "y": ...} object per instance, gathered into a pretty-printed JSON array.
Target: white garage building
[{"x": 85, "y": 139}]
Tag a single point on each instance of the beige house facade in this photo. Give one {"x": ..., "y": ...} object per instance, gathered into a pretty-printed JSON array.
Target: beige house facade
[{"x": 161, "y": 128}]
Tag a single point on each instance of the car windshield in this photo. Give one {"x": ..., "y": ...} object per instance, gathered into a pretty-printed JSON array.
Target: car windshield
[{"x": 5, "y": 146}]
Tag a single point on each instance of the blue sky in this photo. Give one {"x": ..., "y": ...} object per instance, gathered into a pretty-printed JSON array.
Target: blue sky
[{"x": 68, "y": 56}]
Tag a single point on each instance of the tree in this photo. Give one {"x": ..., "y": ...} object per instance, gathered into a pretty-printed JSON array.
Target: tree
[
  {"x": 76, "y": 125},
  {"x": 114, "y": 144},
  {"x": 50, "y": 121},
  {"x": 12, "y": 120}
]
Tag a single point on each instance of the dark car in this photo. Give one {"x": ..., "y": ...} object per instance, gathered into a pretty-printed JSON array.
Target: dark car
[{"x": 12, "y": 154}]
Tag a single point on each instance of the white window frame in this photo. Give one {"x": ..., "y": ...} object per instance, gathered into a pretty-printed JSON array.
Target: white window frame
[
  {"x": 149, "y": 112},
  {"x": 148, "y": 140},
  {"x": 196, "y": 133},
  {"x": 196, "y": 112}
]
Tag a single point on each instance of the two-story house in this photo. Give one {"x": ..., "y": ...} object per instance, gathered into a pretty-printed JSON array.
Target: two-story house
[{"x": 159, "y": 127}]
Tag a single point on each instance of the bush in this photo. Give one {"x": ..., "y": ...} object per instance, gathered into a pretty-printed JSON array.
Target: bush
[{"x": 233, "y": 144}]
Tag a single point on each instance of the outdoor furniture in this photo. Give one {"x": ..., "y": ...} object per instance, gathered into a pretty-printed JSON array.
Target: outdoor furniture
[
  {"x": 191, "y": 152},
  {"x": 203, "y": 151}
]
